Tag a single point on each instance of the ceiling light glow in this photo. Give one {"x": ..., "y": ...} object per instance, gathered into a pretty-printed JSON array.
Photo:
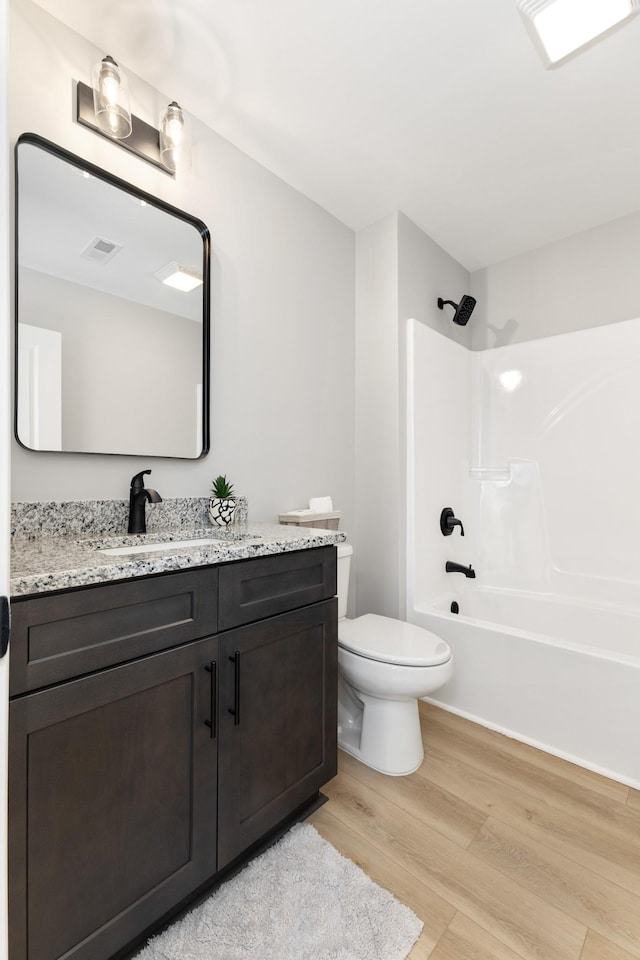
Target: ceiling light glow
[
  {"x": 179, "y": 277},
  {"x": 563, "y": 26}
]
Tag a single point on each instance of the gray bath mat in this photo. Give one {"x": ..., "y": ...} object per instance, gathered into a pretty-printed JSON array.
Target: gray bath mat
[{"x": 301, "y": 900}]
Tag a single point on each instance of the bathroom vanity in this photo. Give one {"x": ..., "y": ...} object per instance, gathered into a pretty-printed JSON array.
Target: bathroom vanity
[
  {"x": 171, "y": 709},
  {"x": 161, "y": 727}
]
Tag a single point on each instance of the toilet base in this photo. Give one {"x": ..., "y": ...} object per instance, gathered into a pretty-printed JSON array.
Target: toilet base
[{"x": 383, "y": 734}]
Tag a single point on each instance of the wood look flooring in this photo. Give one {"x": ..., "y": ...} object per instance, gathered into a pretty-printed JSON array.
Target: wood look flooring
[{"x": 504, "y": 852}]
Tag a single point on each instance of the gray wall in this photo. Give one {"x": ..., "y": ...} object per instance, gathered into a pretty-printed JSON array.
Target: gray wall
[
  {"x": 400, "y": 273},
  {"x": 426, "y": 272},
  {"x": 582, "y": 281},
  {"x": 282, "y": 305},
  {"x": 118, "y": 387},
  {"x": 5, "y": 407},
  {"x": 378, "y": 524}
]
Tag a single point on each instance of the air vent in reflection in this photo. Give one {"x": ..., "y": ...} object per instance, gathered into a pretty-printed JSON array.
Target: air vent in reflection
[{"x": 101, "y": 250}]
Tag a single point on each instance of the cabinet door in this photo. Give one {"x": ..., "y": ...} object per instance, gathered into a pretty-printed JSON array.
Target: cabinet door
[
  {"x": 278, "y": 693},
  {"x": 112, "y": 803}
]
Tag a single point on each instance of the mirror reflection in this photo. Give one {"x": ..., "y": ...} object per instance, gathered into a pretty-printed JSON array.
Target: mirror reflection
[{"x": 112, "y": 313}]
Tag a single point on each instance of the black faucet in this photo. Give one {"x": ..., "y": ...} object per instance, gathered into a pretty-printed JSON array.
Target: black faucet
[
  {"x": 138, "y": 497},
  {"x": 448, "y": 521},
  {"x": 451, "y": 567}
]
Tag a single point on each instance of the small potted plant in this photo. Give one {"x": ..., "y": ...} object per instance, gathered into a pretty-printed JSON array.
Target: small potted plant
[{"x": 222, "y": 502}]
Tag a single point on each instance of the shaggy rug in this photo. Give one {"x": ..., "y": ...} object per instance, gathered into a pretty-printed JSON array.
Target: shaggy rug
[{"x": 301, "y": 900}]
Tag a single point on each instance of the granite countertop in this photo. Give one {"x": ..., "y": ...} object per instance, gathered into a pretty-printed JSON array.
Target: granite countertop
[{"x": 57, "y": 563}]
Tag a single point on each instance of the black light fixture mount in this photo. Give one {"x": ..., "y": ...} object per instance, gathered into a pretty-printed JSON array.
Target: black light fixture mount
[{"x": 144, "y": 140}]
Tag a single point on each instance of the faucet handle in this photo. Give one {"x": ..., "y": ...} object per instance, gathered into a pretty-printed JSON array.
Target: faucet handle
[
  {"x": 137, "y": 482},
  {"x": 448, "y": 521}
]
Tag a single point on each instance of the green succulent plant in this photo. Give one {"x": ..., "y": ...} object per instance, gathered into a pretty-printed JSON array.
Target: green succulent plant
[{"x": 221, "y": 488}]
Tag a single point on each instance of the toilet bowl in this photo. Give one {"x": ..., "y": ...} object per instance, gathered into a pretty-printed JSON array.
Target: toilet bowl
[{"x": 385, "y": 666}]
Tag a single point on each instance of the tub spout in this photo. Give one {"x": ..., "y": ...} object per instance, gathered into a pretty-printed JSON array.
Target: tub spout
[{"x": 451, "y": 567}]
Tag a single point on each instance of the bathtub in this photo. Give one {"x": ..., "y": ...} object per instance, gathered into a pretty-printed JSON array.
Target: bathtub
[{"x": 561, "y": 675}]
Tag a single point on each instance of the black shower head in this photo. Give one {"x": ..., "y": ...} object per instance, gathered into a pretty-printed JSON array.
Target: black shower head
[{"x": 464, "y": 309}]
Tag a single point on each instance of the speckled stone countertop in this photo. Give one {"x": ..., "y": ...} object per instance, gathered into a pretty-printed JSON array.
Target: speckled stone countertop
[{"x": 45, "y": 563}]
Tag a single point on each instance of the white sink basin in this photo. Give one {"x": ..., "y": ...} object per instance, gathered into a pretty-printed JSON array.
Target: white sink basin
[
  {"x": 133, "y": 549},
  {"x": 165, "y": 545}
]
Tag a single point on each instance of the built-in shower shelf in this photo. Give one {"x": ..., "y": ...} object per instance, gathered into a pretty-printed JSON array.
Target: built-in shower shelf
[{"x": 490, "y": 474}]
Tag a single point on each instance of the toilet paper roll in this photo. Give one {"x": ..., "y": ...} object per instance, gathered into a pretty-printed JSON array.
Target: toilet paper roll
[{"x": 321, "y": 504}]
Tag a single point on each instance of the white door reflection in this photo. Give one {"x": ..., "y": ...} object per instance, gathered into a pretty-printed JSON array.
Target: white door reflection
[{"x": 39, "y": 387}]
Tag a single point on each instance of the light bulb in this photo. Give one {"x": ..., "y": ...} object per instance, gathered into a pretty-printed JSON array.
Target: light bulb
[
  {"x": 109, "y": 80},
  {"x": 175, "y": 123},
  {"x": 174, "y": 140},
  {"x": 111, "y": 99}
]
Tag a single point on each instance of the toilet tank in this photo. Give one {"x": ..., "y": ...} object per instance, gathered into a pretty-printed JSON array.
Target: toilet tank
[{"x": 345, "y": 552}]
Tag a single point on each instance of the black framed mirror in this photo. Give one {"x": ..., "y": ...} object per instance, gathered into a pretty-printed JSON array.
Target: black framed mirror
[{"x": 112, "y": 313}]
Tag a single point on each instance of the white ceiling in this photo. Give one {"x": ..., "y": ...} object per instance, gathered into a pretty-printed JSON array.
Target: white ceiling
[
  {"x": 54, "y": 233},
  {"x": 439, "y": 108}
]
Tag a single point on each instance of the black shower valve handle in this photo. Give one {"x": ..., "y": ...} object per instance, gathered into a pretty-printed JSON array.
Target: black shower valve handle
[{"x": 449, "y": 521}]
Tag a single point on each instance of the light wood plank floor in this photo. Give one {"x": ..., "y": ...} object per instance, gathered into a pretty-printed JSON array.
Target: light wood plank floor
[{"x": 505, "y": 852}]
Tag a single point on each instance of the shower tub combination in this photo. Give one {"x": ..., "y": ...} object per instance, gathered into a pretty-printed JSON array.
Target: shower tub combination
[
  {"x": 534, "y": 455},
  {"x": 515, "y": 671}
]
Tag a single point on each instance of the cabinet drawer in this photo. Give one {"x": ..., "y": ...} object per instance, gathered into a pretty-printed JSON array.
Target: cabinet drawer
[
  {"x": 251, "y": 590},
  {"x": 69, "y": 634}
]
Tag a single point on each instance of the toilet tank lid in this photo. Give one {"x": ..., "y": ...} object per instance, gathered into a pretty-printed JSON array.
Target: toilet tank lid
[
  {"x": 392, "y": 641},
  {"x": 344, "y": 550}
]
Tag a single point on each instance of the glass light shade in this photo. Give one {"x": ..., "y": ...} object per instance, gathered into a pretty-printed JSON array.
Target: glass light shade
[
  {"x": 175, "y": 139},
  {"x": 562, "y": 26},
  {"x": 111, "y": 99}
]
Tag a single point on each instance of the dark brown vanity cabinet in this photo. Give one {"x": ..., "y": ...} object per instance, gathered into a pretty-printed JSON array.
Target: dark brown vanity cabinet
[
  {"x": 278, "y": 708},
  {"x": 278, "y": 691},
  {"x": 113, "y": 803},
  {"x": 150, "y": 744}
]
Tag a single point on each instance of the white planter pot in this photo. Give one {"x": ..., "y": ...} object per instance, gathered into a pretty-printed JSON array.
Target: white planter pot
[{"x": 222, "y": 510}]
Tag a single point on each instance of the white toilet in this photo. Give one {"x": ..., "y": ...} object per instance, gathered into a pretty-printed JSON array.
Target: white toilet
[{"x": 384, "y": 665}]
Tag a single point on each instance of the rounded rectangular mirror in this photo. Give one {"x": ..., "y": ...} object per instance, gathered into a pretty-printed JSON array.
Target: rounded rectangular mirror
[{"x": 112, "y": 313}]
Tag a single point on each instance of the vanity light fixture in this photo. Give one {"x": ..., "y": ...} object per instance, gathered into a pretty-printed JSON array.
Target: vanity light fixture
[
  {"x": 104, "y": 108},
  {"x": 563, "y": 26},
  {"x": 179, "y": 277}
]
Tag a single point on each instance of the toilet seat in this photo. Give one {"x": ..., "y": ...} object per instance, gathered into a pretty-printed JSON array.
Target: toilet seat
[{"x": 392, "y": 641}]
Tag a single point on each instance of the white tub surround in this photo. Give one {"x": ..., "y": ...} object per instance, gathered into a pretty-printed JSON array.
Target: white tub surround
[{"x": 541, "y": 466}]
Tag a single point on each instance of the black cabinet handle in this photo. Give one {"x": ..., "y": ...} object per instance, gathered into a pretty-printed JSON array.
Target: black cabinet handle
[
  {"x": 5, "y": 625},
  {"x": 211, "y": 668},
  {"x": 235, "y": 713}
]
